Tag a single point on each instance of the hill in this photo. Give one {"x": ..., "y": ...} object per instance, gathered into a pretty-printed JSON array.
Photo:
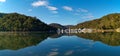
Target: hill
[
  {"x": 2, "y": 14},
  {"x": 110, "y": 21},
  {"x": 19, "y": 22},
  {"x": 56, "y": 25}
]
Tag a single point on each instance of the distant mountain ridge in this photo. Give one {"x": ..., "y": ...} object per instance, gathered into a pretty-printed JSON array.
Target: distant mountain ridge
[{"x": 56, "y": 25}]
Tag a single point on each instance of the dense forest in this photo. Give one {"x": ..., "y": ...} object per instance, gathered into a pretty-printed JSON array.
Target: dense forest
[
  {"x": 19, "y": 22},
  {"x": 110, "y": 21},
  {"x": 2, "y": 14}
]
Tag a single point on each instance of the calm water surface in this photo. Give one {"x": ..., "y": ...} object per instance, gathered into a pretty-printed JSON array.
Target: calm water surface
[{"x": 44, "y": 44}]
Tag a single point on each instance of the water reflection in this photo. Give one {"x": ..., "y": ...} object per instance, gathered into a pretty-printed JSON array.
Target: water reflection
[
  {"x": 16, "y": 41},
  {"x": 45, "y": 44},
  {"x": 112, "y": 39}
]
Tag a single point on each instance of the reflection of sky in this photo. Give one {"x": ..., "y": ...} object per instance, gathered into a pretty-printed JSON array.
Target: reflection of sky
[{"x": 65, "y": 46}]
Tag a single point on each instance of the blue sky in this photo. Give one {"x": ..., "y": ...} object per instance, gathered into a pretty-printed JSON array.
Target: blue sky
[{"x": 65, "y": 12}]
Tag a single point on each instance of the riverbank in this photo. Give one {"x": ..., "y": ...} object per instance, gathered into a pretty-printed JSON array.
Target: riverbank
[{"x": 86, "y": 30}]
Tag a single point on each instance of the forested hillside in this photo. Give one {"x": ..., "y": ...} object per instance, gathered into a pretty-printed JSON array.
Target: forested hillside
[
  {"x": 111, "y": 21},
  {"x": 19, "y": 22}
]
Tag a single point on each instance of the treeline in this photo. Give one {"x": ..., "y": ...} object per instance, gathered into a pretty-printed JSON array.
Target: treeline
[
  {"x": 18, "y": 22},
  {"x": 2, "y": 14},
  {"x": 110, "y": 21}
]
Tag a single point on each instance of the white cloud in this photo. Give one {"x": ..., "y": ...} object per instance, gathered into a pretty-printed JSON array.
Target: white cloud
[
  {"x": 45, "y": 4},
  {"x": 2, "y": 0},
  {"x": 55, "y": 12},
  {"x": 51, "y": 8},
  {"x": 39, "y": 3},
  {"x": 89, "y": 15},
  {"x": 67, "y": 8},
  {"x": 81, "y": 10},
  {"x": 83, "y": 13}
]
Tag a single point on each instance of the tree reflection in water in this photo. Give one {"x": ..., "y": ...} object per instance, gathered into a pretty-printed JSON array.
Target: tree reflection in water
[
  {"x": 16, "y": 41},
  {"x": 111, "y": 38}
]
